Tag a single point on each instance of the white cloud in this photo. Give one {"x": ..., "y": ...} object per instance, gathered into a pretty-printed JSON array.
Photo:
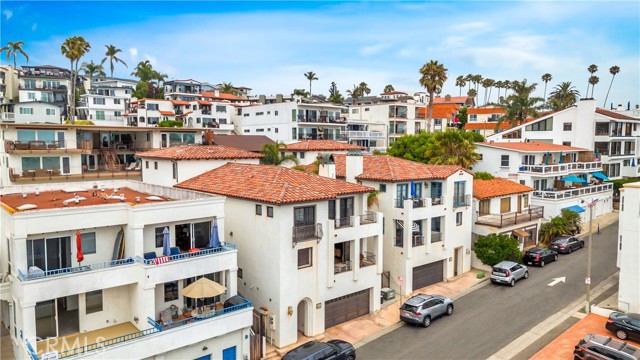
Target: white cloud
[
  {"x": 133, "y": 52},
  {"x": 373, "y": 49},
  {"x": 7, "y": 13},
  {"x": 34, "y": 27}
]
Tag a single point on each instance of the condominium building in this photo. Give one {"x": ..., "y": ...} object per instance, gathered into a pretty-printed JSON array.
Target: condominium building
[
  {"x": 98, "y": 270},
  {"x": 187, "y": 90},
  {"x": 484, "y": 120},
  {"x": 49, "y": 86},
  {"x": 8, "y": 92},
  {"x": 629, "y": 248},
  {"x": 106, "y": 101}
]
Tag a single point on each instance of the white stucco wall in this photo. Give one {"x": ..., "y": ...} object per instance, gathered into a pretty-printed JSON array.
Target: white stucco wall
[
  {"x": 629, "y": 248},
  {"x": 187, "y": 169}
]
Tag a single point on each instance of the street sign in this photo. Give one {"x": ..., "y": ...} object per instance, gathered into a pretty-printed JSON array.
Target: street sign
[
  {"x": 587, "y": 280},
  {"x": 49, "y": 356},
  {"x": 557, "y": 280},
  {"x": 400, "y": 279}
]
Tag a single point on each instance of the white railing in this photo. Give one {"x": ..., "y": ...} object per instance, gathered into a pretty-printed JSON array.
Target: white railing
[
  {"x": 570, "y": 193},
  {"x": 561, "y": 168},
  {"x": 365, "y": 134}
]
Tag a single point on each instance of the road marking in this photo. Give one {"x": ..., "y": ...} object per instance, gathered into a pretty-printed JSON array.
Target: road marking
[{"x": 557, "y": 280}]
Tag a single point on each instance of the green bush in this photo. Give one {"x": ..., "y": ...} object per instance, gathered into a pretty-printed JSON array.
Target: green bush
[
  {"x": 80, "y": 122},
  {"x": 618, "y": 184},
  {"x": 482, "y": 175},
  {"x": 493, "y": 248},
  {"x": 170, "y": 123}
]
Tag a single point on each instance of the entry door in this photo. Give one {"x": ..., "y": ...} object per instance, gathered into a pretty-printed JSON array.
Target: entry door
[
  {"x": 229, "y": 353},
  {"x": 46, "y": 324},
  {"x": 92, "y": 162},
  {"x": 164, "y": 142},
  {"x": 66, "y": 165}
]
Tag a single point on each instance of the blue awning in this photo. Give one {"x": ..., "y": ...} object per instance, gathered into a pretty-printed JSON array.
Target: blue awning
[
  {"x": 573, "y": 178},
  {"x": 575, "y": 208},
  {"x": 600, "y": 175}
]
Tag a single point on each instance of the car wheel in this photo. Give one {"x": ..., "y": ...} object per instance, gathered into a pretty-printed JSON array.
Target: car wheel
[
  {"x": 512, "y": 283},
  {"x": 555, "y": 257},
  {"x": 541, "y": 263},
  {"x": 581, "y": 244},
  {"x": 351, "y": 357},
  {"x": 570, "y": 249},
  {"x": 449, "y": 310},
  {"x": 427, "y": 321},
  {"x": 621, "y": 334},
  {"x": 526, "y": 274}
]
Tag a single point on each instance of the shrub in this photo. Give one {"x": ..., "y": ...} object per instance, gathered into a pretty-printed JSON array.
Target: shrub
[
  {"x": 170, "y": 123},
  {"x": 493, "y": 248},
  {"x": 80, "y": 122},
  {"x": 482, "y": 175},
  {"x": 618, "y": 184}
]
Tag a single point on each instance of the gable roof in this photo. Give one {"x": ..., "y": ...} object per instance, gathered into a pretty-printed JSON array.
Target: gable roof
[
  {"x": 531, "y": 146},
  {"x": 615, "y": 115},
  {"x": 253, "y": 143},
  {"x": 199, "y": 152},
  {"x": 486, "y": 126},
  {"x": 477, "y": 111},
  {"x": 486, "y": 189},
  {"x": 322, "y": 145},
  {"x": 443, "y": 111},
  {"x": 270, "y": 184},
  {"x": 389, "y": 168},
  {"x": 224, "y": 96}
]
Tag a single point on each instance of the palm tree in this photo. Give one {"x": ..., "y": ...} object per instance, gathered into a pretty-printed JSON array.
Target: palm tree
[
  {"x": 572, "y": 220},
  {"x": 111, "y": 54},
  {"x": 274, "y": 154},
  {"x": 552, "y": 229},
  {"x": 433, "y": 77},
  {"x": 499, "y": 85},
  {"x": 354, "y": 94},
  {"x": 460, "y": 82},
  {"x": 389, "y": 88},
  {"x": 477, "y": 80},
  {"x": 593, "y": 81},
  {"x": 519, "y": 105},
  {"x": 563, "y": 96},
  {"x": 92, "y": 70},
  {"x": 310, "y": 75},
  {"x": 469, "y": 80},
  {"x": 334, "y": 94},
  {"x": 364, "y": 88},
  {"x": 74, "y": 48},
  {"x": 472, "y": 93},
  {"x": 300, "y": 92},
  {"x": 592, "y": 69},
  {"x": 614, "y": 70},
  {"x": 546, "y": 78},
  {"x": 143, "y": 71},
  {"x": 487, "y": 84},
  {"x": 506, "y": 85},
  {"x": 13, "y": 49},
  {"x": 452, "y": 147},
  {"x": 228, "y": 88}
]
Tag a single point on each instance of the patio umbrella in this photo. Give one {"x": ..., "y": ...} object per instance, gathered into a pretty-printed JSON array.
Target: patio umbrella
[
  {"x": 203, "y": 288},
  {"x": 573, "y": 178},
  {"x": 633, "y": 162},
  {"x": 214, "y": 240},
  {"x": 166, "y": 250},
  {"x": 546, "y": 159},
  {"x": 560, "y": 162},
  {"x": 597, "y": 155},
  {"x": 79, "y": 256}
]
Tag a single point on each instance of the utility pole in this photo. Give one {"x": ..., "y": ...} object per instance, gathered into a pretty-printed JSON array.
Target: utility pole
[{"x": 589, "y": 247}]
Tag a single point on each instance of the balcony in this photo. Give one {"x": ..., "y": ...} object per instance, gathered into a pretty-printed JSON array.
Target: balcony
[
  {"x": 342, "y": 267},
  {"x": 368, "y": 218},
  {"x": 343, "y": 222},
  {"x": 573, "y": 192},
  {"x": 557, "y": 169},
  {"x": 306, "y": 233},
  {"x": 418, "y": 202},
  {"x": 33, "y": 275},
  {"x": 43, "y": 87},
  {"x": 533, "y": 212},
  {"x": 417, "y": 240},
  {"x": 39, "y": 147},
  {"x": 76, "y": 173},
  {"x": 375, "y": 135},
  {"x": 461, "y": 200},
  {"x": 367, "y": 259},
  {"x": 323, "y": 119},
  {"x": 8, "y": 116}
]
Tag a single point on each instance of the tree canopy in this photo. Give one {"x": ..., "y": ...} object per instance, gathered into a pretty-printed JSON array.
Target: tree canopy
[{"x": 494, "y": 248}]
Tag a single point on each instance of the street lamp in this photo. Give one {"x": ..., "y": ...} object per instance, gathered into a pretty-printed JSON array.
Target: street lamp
[{"x": 587, "y": 280}]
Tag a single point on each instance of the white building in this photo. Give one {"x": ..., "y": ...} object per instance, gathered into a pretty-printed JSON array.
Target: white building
[
  {"x": 45, "y": 83},
  {"x": 613, "y": 135},
  {"x": 427, "y": 215},
  {"x": 214, "y": 115},
  {"x": 37, "y": 112},
  {"x": 484, "y": 120},
  {"x": 106, "y": 102},
  {"x": 309, "y": 251},
  {"x": 170, "y": 166},
  {"x": 308, "y": 151},
  {"x": 123, "y": 299},
  {"x": 8, "y": 91},
  {"x": 502, "y": 206},
  {"x": 629, "y": 249},
  {"x": 187, "y": 90},
  {"x": 149, "y": 112},
  {"x": 562, "y": 176}
]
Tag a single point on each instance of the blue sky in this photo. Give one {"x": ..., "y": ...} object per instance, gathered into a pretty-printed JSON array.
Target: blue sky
[{"x": 268, "y": 45}]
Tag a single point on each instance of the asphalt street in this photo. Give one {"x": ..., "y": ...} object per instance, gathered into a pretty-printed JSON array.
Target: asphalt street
[{"x": 489, "y": 318}]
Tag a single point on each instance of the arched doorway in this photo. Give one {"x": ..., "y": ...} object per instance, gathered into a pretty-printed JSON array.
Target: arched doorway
[{"x": 304, "y": 316}]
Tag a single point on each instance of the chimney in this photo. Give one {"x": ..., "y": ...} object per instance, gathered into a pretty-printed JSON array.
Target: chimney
[
  {"x": 326, "y": 166},
  {"x": 216, "y": 93},
  {"x": 262, "y": 99},
  {"x": 279, "y": 98},
  {"x": 353, "y": 164},
  {"x": 447, "y": 98},
  {"x": 620, "y": 108}
]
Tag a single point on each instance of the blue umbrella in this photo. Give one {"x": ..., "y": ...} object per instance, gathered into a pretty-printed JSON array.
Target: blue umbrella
[
  {"x": 413, "y": 190},
  {"x": 214, "y": 240},
  {"x": 166, "y": 249},
  {"x": 560, "y": 162},
  {"x": 546, "y": 160},
  {"x": 597, "y": 155},
  {"x": 633, "y": 162}
]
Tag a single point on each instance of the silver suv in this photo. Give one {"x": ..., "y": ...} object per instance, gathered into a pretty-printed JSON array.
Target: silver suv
[
  {"x": 422, "y": 308},
  {"x": 508, "y": 272},
  {"x": 598, "y": 347}
]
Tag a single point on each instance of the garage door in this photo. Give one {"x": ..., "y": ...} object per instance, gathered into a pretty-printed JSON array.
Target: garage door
[
  {"x": 346, "y": 307},
  {"x": 428, "y": 274}
]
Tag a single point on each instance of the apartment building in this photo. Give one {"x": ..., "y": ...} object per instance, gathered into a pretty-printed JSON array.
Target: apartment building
[
  {"x": 562, "y": 176},
  {"x": 187, "y": 90},
  {"x": 96, "y": 270},
  {"x": 461, "y": 101},
  {"x": 427, "y": 214},
  {"x": 106, "y": 101},
  {"x": 444, "y": 116},
  {"x": 484, "y": 120},
  {"x": 614, "y": 136},
  {"x": 309, "y": 250},
  {"x": 43, "y": 84},
  {"x": 629, "y": 248},
  {"x": 8, "y": 91}
]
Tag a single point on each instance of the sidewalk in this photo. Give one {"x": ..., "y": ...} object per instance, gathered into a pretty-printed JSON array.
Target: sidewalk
[{"x": 602, "y": 221}]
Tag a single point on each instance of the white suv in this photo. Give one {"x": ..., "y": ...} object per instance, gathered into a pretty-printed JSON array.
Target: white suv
[{"x": 508, "y": 272}]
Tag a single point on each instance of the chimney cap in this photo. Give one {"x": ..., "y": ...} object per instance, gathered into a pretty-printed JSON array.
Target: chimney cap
[{"x": 354, "y": 152}]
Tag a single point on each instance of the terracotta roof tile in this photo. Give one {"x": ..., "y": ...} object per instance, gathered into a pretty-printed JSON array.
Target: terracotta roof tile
[
  {"x": 444, "y": 111},
  {"x": 179, "y": 102},
  {"x": 212, "y": 95},
  {"x": 531, "y": 146},
  {"x": 199, "y": 152},
  {"x": 614, "y": 114},
  {"x": 170, "y": 113},
  {"x": 486, "y": 189},
  {"x": 454, "y": 99},
  {"x": 322, "y": 145},
  {"x": 253, "y": 143},
  {"x": 270, "y": 184},
  {"x": 485, "y": 111},
  {"x": 487, "y": 125},
  {"x": 389, "y": 168},
  {"x": 203, "y": 102}
]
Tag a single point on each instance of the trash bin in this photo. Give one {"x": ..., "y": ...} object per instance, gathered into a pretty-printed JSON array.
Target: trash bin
[{"x": 388, "y": 294}]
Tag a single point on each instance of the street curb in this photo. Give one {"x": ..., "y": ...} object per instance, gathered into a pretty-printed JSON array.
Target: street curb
[{"x": 516, "y": 346}]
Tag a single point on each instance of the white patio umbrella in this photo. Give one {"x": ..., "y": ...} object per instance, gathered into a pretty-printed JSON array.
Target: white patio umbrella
[{"x": 203, "y": 288}]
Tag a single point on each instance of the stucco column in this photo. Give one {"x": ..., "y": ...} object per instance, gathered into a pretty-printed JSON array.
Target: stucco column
[
  {"x": 26, "y": 321},
  {"x": 231, "y": 281},
  {"x": 134, "y": 241},
  {"x": 143, "y": 305},
  {"x": 406, "y": 229},
  {"x": 19, "y": 254},
  {"x": 426, "y": 226}
]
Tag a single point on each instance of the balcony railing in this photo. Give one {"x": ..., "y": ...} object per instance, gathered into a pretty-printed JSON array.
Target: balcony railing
[
  {"x": 560, "y": 168},
  {"x": 363, "y": 135},
  {"x": 342, "y": 267},
  {"x": 533, "y": 212},
  {"x": 571, "y": 193},
  {"x": 367, "y": 259},
  {"x": 436, "y": 236},
  {"x": 76, "y": 172},
  {"x": 368, "y": 218},
  {"x": 306, "y": 233},
  {"x": 187, "y": 255},
  {"x": 418, "y": 202},
  {"x": 323, "y": 119},
  {"x": 344, "y": 222},
  {"x": 461, "y": 200},
  {"x": 418, "y": 240},
  {"x": 10, "y": 145}
]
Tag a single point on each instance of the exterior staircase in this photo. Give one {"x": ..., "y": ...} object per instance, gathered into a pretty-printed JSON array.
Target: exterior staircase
[{"x": 111, "y": 159}]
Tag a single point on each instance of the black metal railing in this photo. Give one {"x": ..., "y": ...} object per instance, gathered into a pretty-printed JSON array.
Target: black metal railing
[
  {"x": 306, "y": 233},
  {"x": 344, "y": 222},
  {"x": 461, "y": 200}
]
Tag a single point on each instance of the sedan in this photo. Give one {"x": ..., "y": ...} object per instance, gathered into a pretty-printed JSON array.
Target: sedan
[
  {"x": 539, "y": 256},
  {"x": 566, "y": 244},
  {"x": 625, "y": 326}
]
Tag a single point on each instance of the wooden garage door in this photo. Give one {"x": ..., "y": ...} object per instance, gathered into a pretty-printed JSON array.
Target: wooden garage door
[
  {"x": 346, "y": 307},
  {"x": 428, "y": 274}
]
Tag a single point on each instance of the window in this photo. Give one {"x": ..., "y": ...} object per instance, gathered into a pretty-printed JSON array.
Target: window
[
  {"x": 543, "y": 125},
  {"x": 275, "y": 113},
  {"x": 98, "y": 101},
  {"x": 146, "y": 164},
  {"x": 31, "y": 96},
  {"x": 383, "y": 188},
  {"x": 354, "y": 111},
  {"x": 51, "y": 111},
  {"x": 504, "y": 160},
  {"x": 155, "y": 165},
  {"x": 239, "y": 273},
  {"x": 246, "y": 131},
  {"x": 566, "y": 143},
  {"x": 399, "y": 238},
  {"x": 525, "y": 201},
  {"x": 304, "y": 216},
  {"x": 302, "y": 155},
  {"x": 93, "y": 301},
  {"x": 259, "y": 130},
  {"x": 100, "y": 115},
  {"x": 170, "y": 291},
  {"x": 276, "y": 130},
  {"x": 116, "y": 101},
  {"x": 459, "y": 218},
  {"x": 270, "y": 211},
  {"x": 473, "y": 117},
  {"x": 332, "y": 209},
  {"x": 26, "y": 111},
  {"x": 152, "y": 106},
  {"x": 305, "y": 257},
  {"x": 221, "y": 108},
  {"x": 505, "y": 205},
  {"x": 258, "y": 209},
  {"x": 89, "y": 243},
  {"x": 174, "y": 168},
  {"x": 459, "y": 193},
  {"x": 566, "y": 126},
  {"x": 484, "y": 207},
  {"x": 159, "y": 235}
]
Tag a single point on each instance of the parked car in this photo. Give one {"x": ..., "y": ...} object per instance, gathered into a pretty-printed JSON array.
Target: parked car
[
  {"x": 421, "y": 309},
  {"x": 600, "y": 347},
  {"x": 625, "y": 326},
  {"x": 539, "y": 256},
  {"x": 566, "y": 244},
  {"x": 330, "y": 350},
  {"x": 508, "y": 272}
]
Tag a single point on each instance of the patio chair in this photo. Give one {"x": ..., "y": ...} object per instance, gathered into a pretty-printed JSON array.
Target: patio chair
[
  {"x": 150, "y": 255},
  {"x": 165, "y": 316},
  {"x": 131, "y": 166},
  {"x": 175, "y": 251}
]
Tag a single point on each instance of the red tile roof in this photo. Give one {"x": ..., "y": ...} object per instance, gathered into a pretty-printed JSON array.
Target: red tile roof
[
  {"x": 614, "y": 114},
  {"x": 199, "y": 152},
  {"x": 179, "y": 102},
  {"x": 532, "y": 146},
  {"x": 487, "y": 125},
  {"x": 203, "y": 102},
  {"x": 270, "y": 184},
  {"x": 389, "y": 168},
  {"x": 485, "y": 111},
  {"x": 486, "y": 189},
  {"x": 170, "y": 113},
  {"x": 454, "y": 99},
  {"x": 322, "y": 145},
  {"x": 212, "y": 95},
  {"x": 444, "y": 111},
  {"x": 147, "y": 99},
  {"x": 394, "y": 93}
]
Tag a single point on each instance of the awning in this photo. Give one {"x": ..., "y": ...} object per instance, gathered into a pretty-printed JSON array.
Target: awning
[
  {"x": 521, "y": 233},
  {"x": 575, "y": 208},
  {"x": 600, "y": 175},
  {"x": 573, "y": 178}
]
